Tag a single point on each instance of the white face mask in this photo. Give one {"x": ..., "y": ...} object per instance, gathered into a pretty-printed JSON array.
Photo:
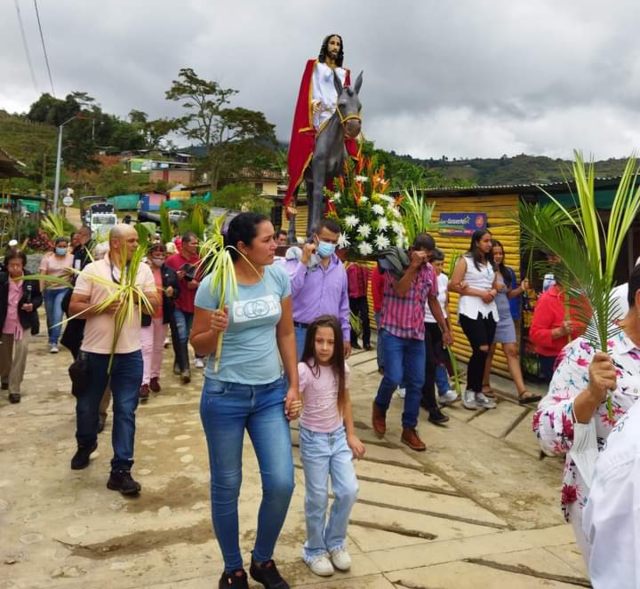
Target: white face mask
[{"x": 157, "y": 262}]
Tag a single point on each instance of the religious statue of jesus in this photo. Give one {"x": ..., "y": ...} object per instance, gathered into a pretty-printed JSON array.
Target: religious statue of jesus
[{"x": 316, "y": 104}]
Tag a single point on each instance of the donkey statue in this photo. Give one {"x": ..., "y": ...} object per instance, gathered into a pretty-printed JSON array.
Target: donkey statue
[{"x": 329, "y": 153}]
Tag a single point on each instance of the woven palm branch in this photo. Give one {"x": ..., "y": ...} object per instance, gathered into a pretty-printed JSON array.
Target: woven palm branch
[
  {"x": 216, "y": 260},
  {"x": 131, "y": 297}
]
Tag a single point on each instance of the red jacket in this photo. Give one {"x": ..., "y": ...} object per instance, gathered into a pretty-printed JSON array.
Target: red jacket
[
  {"x": 377, "y": 289},
  {"x": 550, "y": 314}
]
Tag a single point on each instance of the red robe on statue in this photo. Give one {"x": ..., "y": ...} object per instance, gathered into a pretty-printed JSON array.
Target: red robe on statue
[{"x": 303, "y": 134}]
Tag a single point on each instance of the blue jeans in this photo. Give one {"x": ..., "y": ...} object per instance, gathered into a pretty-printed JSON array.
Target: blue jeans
[
  {"x": 442, "y": 379},
  {"x": 324, "y": 456},
  {"x": 377, "y": 317},
  {"x": 404, "y": 361},
  {"x": 301, "y": 334},
  {"x": 184, "y": 321},
  {"x": 226, "y": 410},
  {"x": 125, "y": 381},
  {"x": 53, "y": 308}
]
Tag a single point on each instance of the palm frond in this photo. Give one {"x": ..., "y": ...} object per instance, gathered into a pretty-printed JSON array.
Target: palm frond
[
  {"x": 588, "y": 252},
  {"x": 418, "y": 214},
  {"x": 166, "y": 231},
  {"x": 53, "y": 225}
]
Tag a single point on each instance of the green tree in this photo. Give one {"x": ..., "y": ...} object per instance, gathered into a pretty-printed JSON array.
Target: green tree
[
  {"x": 154, "y": 132},
  {"x": 232, "y": 138}
]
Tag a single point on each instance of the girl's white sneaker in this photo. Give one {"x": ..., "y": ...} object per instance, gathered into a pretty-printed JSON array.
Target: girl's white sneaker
[
  {"x": 321, "y": 566},
  {"x": 341, "y": 559}
]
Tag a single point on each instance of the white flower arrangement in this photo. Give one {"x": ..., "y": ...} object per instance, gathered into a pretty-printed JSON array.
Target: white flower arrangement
[
  {"x": 369, "y": 218},
  {"x": 351, "y": 221},
  {"x": 398, "y": 228},
  {"x": 365, "y": 248},
  {"x": 343, "y": 241},
  {"x": 364, "y": 230},
  {"x": 381, "y": 241}
]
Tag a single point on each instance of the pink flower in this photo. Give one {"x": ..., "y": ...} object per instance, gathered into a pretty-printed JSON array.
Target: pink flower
[
  {"x": 569, "y": 494},
  {"x": 586, "y": 346},
  {"x": 567, "y": 426},
  {"x": 536, "y": 421},
  {"x": 583, "y": 362}
]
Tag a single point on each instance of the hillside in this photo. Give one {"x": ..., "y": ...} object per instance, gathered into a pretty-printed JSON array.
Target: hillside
[
  {"x": 35, "y": 145},
  {"x": 24, "y": 139},
  {"x": 521, "y": 169}
]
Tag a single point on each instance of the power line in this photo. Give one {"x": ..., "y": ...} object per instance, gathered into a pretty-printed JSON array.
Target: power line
[
  {"x": 44, "y": 47},
  {"x": 26, "y": 46}
]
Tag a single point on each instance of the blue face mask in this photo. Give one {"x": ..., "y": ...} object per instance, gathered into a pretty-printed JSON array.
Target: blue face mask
[
  {"x": 325, "y": 249},
  {"x": 61, "y": 251}
]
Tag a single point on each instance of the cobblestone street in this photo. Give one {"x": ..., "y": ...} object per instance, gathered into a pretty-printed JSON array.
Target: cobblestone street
[{"x": 478, "y": 509}]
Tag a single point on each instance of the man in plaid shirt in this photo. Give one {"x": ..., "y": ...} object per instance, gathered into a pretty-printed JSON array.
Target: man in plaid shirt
[{"x": 403, "y": 348}]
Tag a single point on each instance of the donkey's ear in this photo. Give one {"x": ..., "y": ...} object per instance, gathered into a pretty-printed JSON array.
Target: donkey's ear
[
  {"x": 337, "y": 83},
  {"x": 358, "y": 82}
]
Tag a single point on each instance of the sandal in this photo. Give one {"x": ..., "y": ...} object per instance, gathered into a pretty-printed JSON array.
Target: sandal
[
  {"x": 526, "y": 398},
  {"x": 488, "y": 392}
]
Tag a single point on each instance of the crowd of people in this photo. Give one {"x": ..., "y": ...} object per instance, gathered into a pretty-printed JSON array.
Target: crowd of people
[{"x": 286, "y": 337}]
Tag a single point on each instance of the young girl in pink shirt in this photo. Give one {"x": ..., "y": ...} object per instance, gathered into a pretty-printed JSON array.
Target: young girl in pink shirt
[{"x": 328, "y": 445}]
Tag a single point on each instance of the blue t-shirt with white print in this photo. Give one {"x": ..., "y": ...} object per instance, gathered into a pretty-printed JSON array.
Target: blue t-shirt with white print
[{"x": 249, "y": 348}]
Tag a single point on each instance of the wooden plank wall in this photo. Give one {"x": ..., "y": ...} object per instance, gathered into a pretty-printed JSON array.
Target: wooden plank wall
[{"x": 501, "y": 218}]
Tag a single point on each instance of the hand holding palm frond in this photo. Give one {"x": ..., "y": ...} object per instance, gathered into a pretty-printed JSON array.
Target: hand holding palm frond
[
  {"x": 587, "y": 252},
  {"x": 216, "y": 260}
]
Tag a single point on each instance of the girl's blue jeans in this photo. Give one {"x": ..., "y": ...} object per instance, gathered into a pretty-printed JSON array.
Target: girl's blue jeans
[
  {"x": 227, "y": 409},
  {"x": 326, "y": 457},
  {"x": 53, "y": 308}
]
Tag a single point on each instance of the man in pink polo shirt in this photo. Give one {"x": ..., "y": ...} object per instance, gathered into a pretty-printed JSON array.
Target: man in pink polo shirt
[{"x": 92, "y": 288}]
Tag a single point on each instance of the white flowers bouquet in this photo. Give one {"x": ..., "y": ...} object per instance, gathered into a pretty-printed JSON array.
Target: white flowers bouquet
[{"x": 369, "y": 217}]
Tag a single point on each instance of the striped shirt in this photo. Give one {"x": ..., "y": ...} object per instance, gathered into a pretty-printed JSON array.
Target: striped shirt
[{"x": 403, "y": 316}]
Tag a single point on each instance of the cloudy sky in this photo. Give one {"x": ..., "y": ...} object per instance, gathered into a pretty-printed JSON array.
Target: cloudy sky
[{"x": 460, "y": 78}]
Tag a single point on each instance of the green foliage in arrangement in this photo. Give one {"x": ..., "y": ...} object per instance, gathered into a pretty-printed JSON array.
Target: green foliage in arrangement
[{"x": 417, "y": 214}]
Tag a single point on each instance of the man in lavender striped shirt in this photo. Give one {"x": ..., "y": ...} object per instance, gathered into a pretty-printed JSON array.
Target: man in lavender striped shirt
[
  {"x": 319, "y": 285},
  {"x": 403, "y": 345}
]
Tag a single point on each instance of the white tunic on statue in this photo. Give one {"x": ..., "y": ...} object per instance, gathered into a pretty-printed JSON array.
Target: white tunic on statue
[{"x": 324, "y": 90}]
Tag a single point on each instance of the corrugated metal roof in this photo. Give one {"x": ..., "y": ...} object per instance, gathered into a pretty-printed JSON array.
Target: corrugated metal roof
[{"x": 518, "y": 188}]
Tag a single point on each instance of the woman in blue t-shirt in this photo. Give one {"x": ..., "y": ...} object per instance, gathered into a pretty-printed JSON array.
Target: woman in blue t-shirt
[{"x": 249, "y": 391}]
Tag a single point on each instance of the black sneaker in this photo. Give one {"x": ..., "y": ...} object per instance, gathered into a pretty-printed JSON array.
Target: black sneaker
[
  {"x": 14, "y": 397},
  {"x": 80, "y": 459},
  {"x": 267, "y": 574},
  {"x": 121, "y": 480},
  {"x": 237, "y": 579},
  {"x": 437, "y": 417}
]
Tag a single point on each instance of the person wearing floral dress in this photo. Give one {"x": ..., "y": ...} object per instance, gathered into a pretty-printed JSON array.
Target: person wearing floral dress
[{"x": 575, "y": 417}]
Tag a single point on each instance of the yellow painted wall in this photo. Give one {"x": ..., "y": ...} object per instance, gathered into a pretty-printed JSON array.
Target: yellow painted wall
[{"x": 501, "y": 217}]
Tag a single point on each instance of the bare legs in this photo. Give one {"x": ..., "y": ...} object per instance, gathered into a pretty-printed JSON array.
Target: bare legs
[{"x": 513, "y": 361}]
